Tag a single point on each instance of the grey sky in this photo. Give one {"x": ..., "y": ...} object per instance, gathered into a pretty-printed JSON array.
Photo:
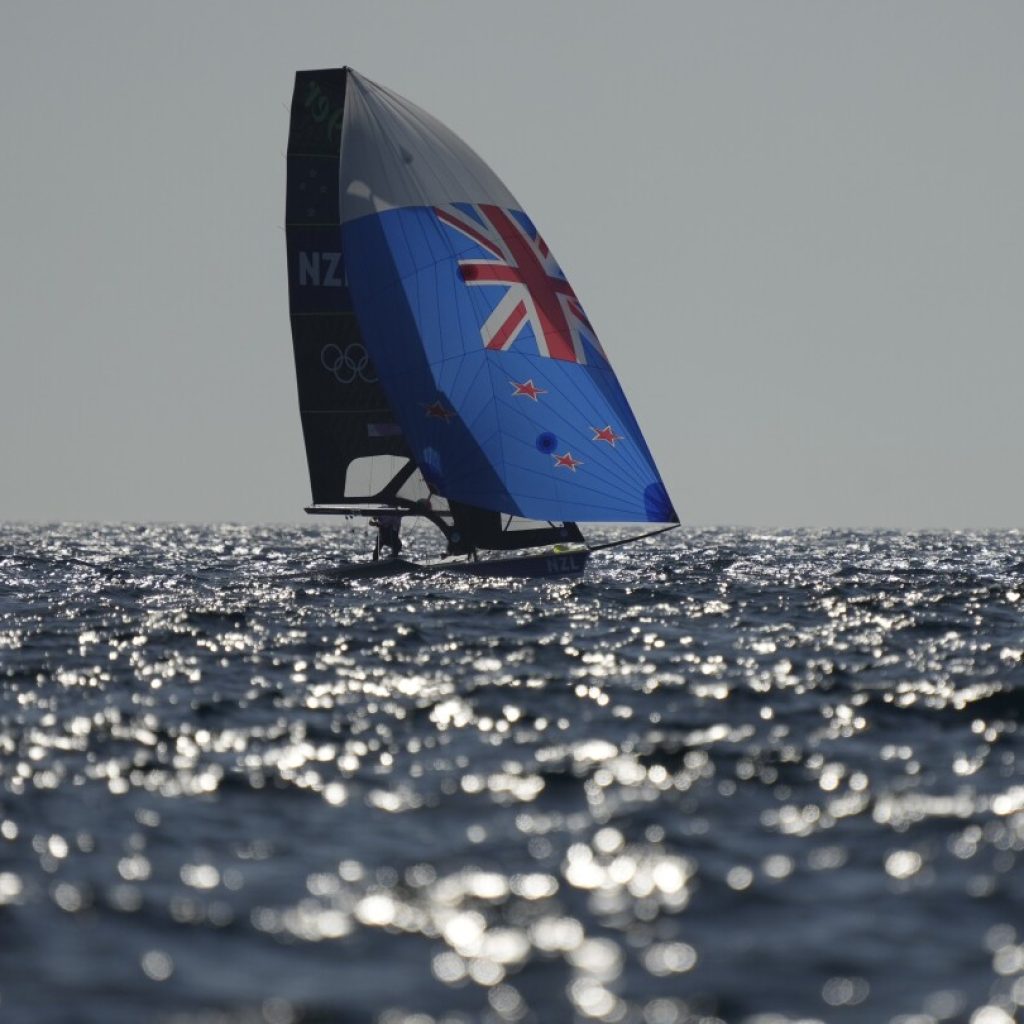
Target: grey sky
[{"x": 798, "y": 228}]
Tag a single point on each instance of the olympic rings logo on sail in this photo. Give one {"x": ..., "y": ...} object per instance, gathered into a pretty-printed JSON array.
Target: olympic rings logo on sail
[{"x": 348, "y": 365}]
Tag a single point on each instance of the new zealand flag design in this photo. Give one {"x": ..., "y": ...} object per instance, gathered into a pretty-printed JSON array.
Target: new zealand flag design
[{"x": 466, "y": 311}]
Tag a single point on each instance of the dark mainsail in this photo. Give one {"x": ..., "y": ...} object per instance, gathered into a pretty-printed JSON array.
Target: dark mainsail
[{"x": 353, "y": 444}]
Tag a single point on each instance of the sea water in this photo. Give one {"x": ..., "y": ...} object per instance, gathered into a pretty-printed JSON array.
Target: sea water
[{"x": 725, "y": 776}]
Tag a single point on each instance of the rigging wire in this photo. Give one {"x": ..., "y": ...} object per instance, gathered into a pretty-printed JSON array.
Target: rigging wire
[{"x": 629, "y": 540}]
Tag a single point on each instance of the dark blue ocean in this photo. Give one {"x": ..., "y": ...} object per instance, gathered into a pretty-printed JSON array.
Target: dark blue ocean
[{"x": 726, "y": 776}]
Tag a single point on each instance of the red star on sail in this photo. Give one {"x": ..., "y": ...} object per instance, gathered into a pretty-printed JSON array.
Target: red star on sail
[
  {"x": 527, "y": 388},
  {"x": 606, "y": 434},
  {"x": 438, "y": 411},
  {"x": 567, "y": 461}
]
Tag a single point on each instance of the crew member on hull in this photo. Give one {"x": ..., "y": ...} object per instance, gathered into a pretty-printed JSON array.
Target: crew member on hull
[{"x": 388, "y": 526}]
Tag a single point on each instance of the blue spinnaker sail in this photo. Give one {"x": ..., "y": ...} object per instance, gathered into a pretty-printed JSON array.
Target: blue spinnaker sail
[{"x": 496, "y": 376}]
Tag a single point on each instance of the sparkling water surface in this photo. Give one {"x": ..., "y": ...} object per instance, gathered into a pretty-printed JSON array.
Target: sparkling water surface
[{"x": 726, "y": 776}]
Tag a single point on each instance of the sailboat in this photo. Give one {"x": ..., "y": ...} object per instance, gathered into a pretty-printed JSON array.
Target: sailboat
[{"x": 446, "y": 368}]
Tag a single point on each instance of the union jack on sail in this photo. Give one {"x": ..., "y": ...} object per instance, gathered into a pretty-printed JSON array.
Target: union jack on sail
[{"x": 537, "y": 294}]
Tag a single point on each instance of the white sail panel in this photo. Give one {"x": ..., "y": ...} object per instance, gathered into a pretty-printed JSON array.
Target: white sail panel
[{"x": 393, "y": 154}]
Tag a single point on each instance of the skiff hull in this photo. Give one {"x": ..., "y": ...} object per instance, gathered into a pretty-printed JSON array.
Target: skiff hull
[{"x": 551, "y": 564}]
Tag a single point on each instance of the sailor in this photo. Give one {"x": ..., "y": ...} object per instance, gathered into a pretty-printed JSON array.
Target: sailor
[
  {"x": 388, "y": 525},
  {"x": 457, "y": 546}
]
